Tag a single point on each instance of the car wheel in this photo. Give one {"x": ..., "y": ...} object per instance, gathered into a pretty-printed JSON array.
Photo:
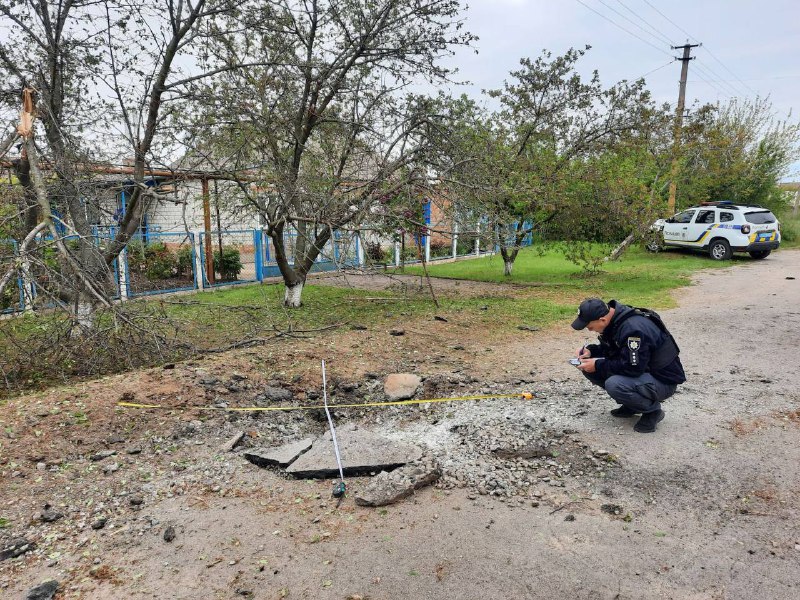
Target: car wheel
[
  {"x": 654, "y": 247},
  {"x": 720, "y": 250},
  {"x": 759, "y": 254}
]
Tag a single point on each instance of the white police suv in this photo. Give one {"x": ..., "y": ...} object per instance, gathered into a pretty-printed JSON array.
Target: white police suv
[{"x": 719, "y": 228}]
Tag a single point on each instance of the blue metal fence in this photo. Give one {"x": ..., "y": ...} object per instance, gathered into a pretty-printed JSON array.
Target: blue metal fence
[
  {"x": 165, "y": 262},
  {"x": 158, "y": 263},
  {"x": 237, "y": 256}
]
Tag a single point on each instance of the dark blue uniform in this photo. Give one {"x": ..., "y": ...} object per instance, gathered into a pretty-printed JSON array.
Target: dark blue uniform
[{"x": 637, "y": 368}]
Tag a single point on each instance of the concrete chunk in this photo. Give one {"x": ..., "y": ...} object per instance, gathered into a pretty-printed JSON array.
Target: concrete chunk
[
  {"x": 362, "y": 452},
  {"x": 388, "y": 488},
  {"x": 281, "y": 456},
  {"x": 399, "y": 386}
]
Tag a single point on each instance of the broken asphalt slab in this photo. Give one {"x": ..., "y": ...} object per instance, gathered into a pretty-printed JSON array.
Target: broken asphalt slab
[
  {"x": 362, "y": 452},
  {"x": 281, "y": 456}
]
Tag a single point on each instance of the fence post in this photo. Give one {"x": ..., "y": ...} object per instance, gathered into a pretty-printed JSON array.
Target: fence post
[
  {"x": 428, "y": 246},
  {"x": 455, "y": 240},
  {"x": 397, "y": 253},
  {"x": 122, "y": 274},
  {"x": 197, "y": 259},
  {"x": 258, "y": 249},
  {"x": 359, "y": 250},
  {"x": 478, "y": 241}
]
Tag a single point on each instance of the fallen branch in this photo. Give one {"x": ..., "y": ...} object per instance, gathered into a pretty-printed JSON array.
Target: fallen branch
[{"x": 258, "y": 341}]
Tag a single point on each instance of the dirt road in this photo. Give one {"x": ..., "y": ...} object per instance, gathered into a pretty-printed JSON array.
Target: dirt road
[{"x": 706, "y": 508}]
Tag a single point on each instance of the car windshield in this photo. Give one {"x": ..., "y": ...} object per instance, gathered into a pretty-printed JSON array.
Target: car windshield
[
  {"x": 761, "y": 217},
  {"x": 684, "y": 217}
]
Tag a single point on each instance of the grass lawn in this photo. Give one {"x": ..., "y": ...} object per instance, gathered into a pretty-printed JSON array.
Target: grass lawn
[
  {"x": 547, "y": 289},
  {"x": 639, "y": 278}
]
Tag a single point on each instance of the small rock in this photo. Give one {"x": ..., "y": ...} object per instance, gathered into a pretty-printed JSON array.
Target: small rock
[
  {"x": 136, "y": 500},
  {"x": 48, "y": 515},
  {"x": 111, "y": 468},
  {"x": 169, "y": 534},
  {"x": 397, "y": 332},
  {"x": 134, "y": 450},
  {"x": 569, "y": 517},
  {"x": 43, "y": 591},
  {"x": 115, "y": 438},
  {"x": 99, "y": 523},
  {"x": 16, "y": 547},
  {"x": 274, "y": 394},
  {"x": 102, "y": 454},
  {"x": 438, "y": 318},
  {"x": 232, "y": 442},
  {"x": 611, "y": 509},
  {"x": 358, "y": 327}
]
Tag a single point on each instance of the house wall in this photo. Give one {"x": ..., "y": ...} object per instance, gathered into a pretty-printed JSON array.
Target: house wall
[{"x": 186, "y": 210}]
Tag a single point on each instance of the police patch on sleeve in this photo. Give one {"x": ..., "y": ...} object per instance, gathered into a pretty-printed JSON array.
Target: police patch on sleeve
[{"x": 634, "y": 343}]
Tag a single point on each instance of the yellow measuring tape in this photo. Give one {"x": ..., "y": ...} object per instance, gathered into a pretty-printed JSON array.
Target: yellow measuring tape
[{"x": 523, "y": 395}]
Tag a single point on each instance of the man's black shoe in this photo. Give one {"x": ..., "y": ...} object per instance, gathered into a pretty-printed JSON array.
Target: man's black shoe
[
  {"x": 647, "y": 423},
  {"x": 623, "y": 412}
]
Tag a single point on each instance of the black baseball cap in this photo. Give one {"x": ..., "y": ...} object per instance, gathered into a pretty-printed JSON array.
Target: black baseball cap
[{"x": 590, "y": 309}]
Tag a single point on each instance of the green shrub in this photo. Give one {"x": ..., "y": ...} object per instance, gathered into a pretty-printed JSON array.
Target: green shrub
[
  {"x": 440, "y": 248},
  {"x": 409, "y": 253},
  {"x": 374, "y": 252},
  {"x": 466, "y": 245},
  {"x": 185, "y": 267},
  {"x": 229, "y": 265},
  {"x": 155, "y": 261}
]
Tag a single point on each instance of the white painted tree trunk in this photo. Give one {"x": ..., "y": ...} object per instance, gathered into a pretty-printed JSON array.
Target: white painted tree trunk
[
  {"x": 292, "y": 298},
  {"x": 85, "y": 315},
  {"x": 507, "y": 266}
]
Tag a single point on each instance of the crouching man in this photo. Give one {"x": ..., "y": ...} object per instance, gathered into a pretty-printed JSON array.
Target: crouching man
[{"x": 636, "y": 360}]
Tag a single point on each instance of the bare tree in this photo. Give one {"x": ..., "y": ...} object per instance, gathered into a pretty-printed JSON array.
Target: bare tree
[
  {"x": 322, "y": 127},
  {"x": 97, "y": 75}
]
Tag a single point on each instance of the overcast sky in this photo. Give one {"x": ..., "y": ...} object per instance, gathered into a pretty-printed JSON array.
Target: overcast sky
[{"x": 750, "y": 47}]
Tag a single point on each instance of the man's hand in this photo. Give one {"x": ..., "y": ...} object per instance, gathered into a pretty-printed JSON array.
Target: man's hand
[
  {"x": 582, "y": 352},
  {"x": 588, "y": 365}
]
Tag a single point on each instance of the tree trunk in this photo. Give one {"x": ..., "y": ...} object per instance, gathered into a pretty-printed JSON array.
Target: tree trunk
[
  {"x": 292, "y": 297},
  {"x": 84, "y": 314},
  {"x": 507, "y": 266},
  {"x": 617, "y": 252}
]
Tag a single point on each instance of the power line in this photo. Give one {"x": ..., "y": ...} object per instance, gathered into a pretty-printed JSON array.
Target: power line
[
  {"x": 670, "y": 20},
  {"x": 704, "y": 74},
  {"x": 759, "y": 78},
  {"x": 639, "y": 27},
  {"x": 708, "y": 68},
  {"x": 731, "y": 72},
  {"x": 622, "y": 28},
  {"x": 657, "y": 31},
  {"x": 657, "y": 69}
]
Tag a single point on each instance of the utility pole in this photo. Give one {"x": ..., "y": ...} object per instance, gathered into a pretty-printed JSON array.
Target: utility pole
[{"x": 687, "y": 48}]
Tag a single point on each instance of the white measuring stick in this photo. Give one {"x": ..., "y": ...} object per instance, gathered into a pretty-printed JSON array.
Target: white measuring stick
[{"x": 330, "y": 422}]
